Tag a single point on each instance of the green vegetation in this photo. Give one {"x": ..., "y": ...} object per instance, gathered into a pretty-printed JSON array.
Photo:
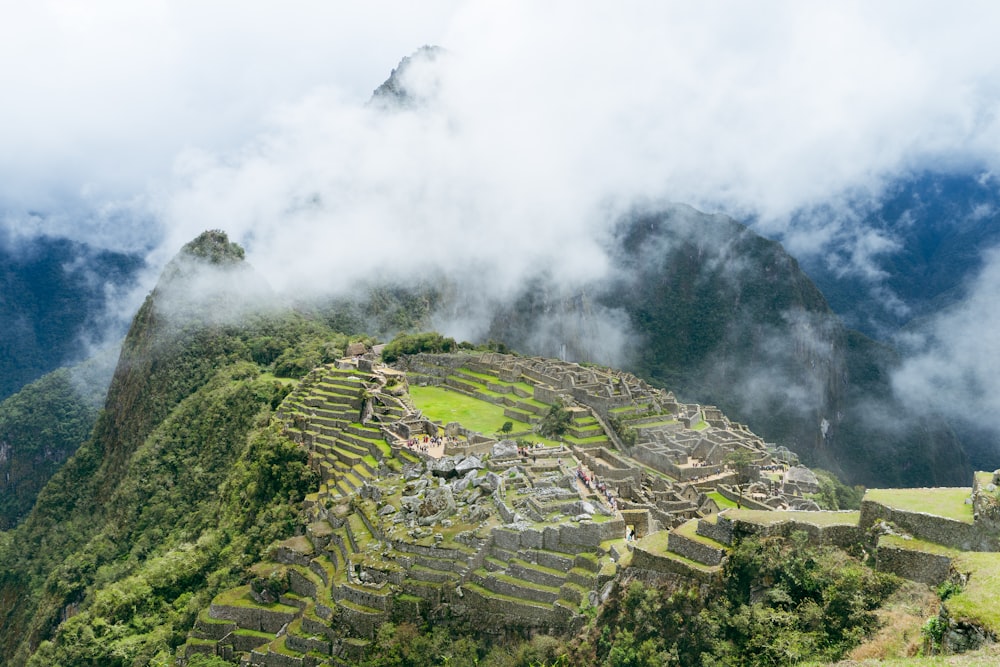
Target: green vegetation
[
  {"x": 949, "y": 503},
  {"x": 186, "y": 481},
  {"x": 40, "y": 427},
  {"x": 834, "y": 494},
  {"x": 405, "y": 344},
  {"x": 818, "y": 603},
  {"x": 721, "y": 500},
  {"x": 769, "y": 518},
  {"x": 555, "y": 422},
  {"x": 977, "y": 600},
  {"x": 180, "y": 487},
  {"x": 442, "y": 405}
]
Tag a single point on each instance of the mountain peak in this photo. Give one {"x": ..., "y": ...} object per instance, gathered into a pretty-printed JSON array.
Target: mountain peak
[
  {"x": 407, "y": 86},
  {"x": 214, "y": 245}
]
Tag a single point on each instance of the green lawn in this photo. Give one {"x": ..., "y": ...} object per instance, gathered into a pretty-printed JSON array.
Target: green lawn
[
  {"x": 977, "y": 601},
  {"x": 445, "y": 406},
  {"x": 820, "y": 518},
  {"x": 948, "y": 503},
  {"x": 721, "y": 500}
]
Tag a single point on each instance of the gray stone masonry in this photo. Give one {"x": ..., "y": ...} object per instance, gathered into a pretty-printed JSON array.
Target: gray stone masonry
[
  {"x": 840, "y": 535},
  {"x": 695, "y": 550},
  {"x": 949, "y": 532},
  {"x": 926, "y": 568},
  {"x": 252, "y": 618},
  {"x": 307, "y": 644},
  {"x": 663, "y": 563},
  {"x": 362, "y": 623},
  {"x": 496, "y": 612},
  {"x": 513, "y": 589},
  {"x": 720, "y": 530}
]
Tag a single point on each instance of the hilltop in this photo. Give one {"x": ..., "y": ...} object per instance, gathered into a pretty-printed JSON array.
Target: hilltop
[{"x": 261, "y": 487}]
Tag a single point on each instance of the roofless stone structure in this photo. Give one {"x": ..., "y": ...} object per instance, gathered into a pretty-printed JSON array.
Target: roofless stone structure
[{"x": 433, "y": 521}]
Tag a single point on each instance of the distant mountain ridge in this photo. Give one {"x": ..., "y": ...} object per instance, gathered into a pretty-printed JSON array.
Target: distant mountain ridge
[
  {"x": 53, "y": 296},
  {"x": 721, "y": 315},
  {"x": 938, "y": 224}
]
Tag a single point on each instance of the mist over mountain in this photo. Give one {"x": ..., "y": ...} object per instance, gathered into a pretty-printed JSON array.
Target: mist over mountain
[
  {"x": 57, "y": 299},
  {"x": 522, "y": 146},
  {"x": 932, "y": 230}
]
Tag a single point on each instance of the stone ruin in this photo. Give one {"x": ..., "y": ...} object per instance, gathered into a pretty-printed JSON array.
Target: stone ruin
[{"x": 506, "y": 530}]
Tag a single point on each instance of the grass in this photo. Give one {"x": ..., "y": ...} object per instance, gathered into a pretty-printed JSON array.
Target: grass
[
  {"x": 914, "y": 544},
  {"x": 898, "y": 637},
  {"x": 721, "y": 500},
  {"x": 766, "y": 518},
  {"x": 665, "y": 422},
  {"x": 271, "y": 377},
  {"x": 240, "y": 597},
  {"x": 690, "y": 531},
  {"x": 655, "y": 542},
  {"x": 948, "y": 503},
  {"x": 445, "y": 406},
  {"x": 977, "y": 601}
]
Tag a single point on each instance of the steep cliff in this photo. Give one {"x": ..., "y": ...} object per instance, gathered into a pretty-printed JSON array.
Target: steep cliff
[{"x": 722, "y": 315}]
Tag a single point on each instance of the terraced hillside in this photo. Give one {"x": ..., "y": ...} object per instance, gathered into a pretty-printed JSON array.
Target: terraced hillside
[{"x": 427, "y": 513}]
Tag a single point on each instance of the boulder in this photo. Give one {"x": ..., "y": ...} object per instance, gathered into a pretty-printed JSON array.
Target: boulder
[
  {"x": 505, "y": 449},
  {"x": 437, "y": 504},
  {"x": 467, "y": 464},
  {"x": 442, "y": 467},
  {"x": 490, "y": 483}
]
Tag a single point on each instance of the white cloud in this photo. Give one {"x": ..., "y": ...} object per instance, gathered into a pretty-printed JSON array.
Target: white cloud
[
  {"x": 144, "y": 124},
  {"x": 953, "y": 364}
]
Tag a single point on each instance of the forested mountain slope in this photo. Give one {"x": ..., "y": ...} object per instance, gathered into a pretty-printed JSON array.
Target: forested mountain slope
[
  {"x": 54, "y": 294},
  {"x": 722, "y": 315},
  {"x": 168, "y": 494}
]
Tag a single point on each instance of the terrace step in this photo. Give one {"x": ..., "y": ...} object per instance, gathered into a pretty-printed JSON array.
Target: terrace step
[{"x": 685, "y": 541}]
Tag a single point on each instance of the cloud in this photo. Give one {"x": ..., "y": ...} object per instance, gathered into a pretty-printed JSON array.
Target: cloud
[
  {"x": 953, "y": 361},
  {"x": 139, "y": 127},
  {"x": 751, "y": 110}
]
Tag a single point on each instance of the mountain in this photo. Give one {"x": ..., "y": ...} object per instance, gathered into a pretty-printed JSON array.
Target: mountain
[
  {"x": 937, "y": 226},
  {"x": 53, "y": 297},
  {"x": 253, "y": 485},
  {"x": 41, "y": 426},
  {"x": 722, "y": 315},
  {"x": 168, "y": 491}
]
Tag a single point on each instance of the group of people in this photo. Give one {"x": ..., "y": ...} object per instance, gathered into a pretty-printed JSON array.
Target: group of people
[
  {"x": 592, "y": 483},
  {"x": 525, "y": 451},
  {"x": 425, "y": 443}
]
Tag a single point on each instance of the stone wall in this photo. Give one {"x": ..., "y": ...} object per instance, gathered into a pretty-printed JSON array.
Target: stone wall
[
  {"x": 496, "y": 611},
  {"x": 694, "y": 550},
  {"x": 926, "y": 568},
  {"x": 252, "y": 618},
  {"x": 949, "y": 532},
  {"x": 662, "y": 563},
  {"x": 720, "y": 530},
  {"x": 639, "y": 519},
  {"x": 747, "y": 503},
  {"x": 840, "y": 535}
]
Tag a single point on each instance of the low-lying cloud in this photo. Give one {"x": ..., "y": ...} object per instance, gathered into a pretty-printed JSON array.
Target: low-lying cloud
[
  {"x": 543, "y": 123},
  {"x": 953, "y": 361}
]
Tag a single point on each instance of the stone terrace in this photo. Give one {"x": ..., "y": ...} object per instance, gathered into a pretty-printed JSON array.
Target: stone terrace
[{"x": 489, "y": 530}]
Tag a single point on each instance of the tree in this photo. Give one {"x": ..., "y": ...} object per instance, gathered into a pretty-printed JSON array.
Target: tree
[
  {"x": 555, "y": 422},
  {"x": 741, "y": 461},
  {"x": 507, "y": 427}
]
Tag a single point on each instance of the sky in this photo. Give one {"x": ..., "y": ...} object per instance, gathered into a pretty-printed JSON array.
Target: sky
[{"x": 135, "y": 126}]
